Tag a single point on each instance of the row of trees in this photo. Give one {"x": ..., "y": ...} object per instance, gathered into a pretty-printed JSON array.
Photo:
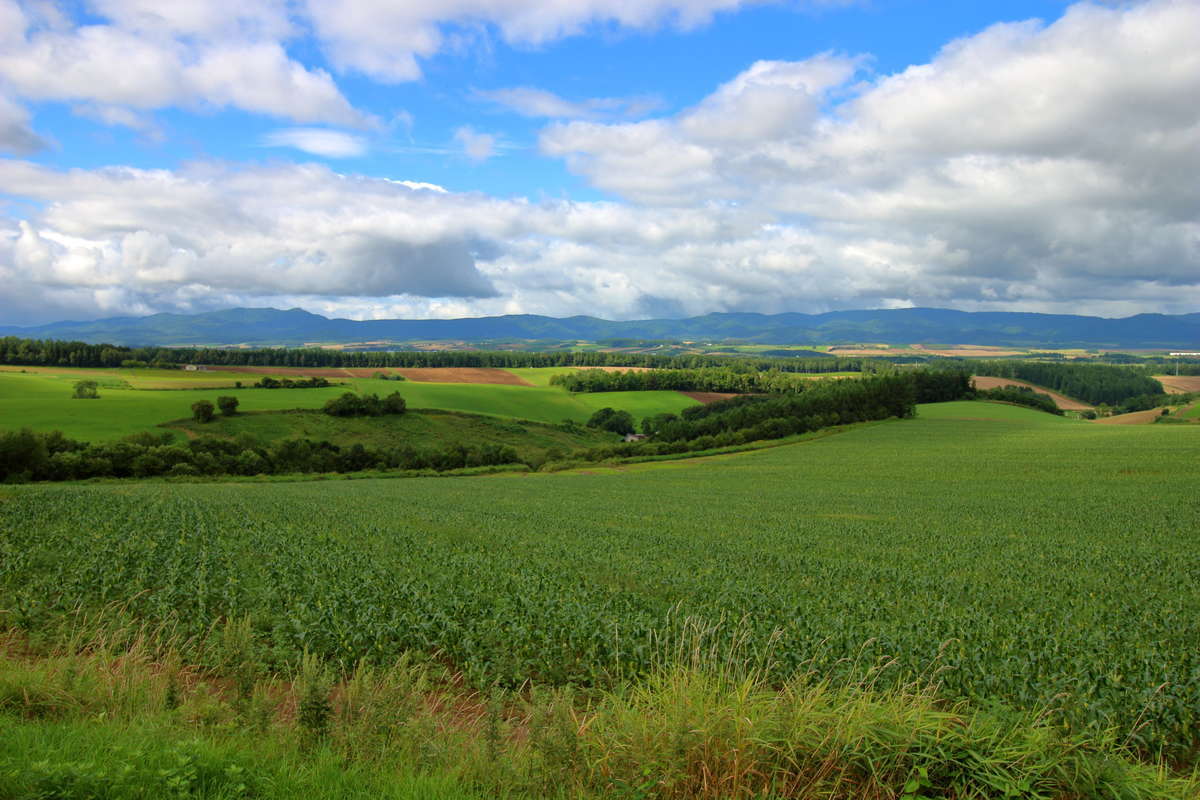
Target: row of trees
[
  {"x": 928, "y": 385},
  {"x": 26, "y": 456},
  {"x": 1092, "y": 383},
  {"x": 51, "y": 352},
  {"x": 364, "y": 405}
]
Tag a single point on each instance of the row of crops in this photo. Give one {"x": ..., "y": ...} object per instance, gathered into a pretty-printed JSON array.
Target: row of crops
[{"x": 1050, "y": 565}]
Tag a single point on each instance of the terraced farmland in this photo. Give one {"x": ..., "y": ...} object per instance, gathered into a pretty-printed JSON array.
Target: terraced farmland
[{"x": 1021, "y": 559}]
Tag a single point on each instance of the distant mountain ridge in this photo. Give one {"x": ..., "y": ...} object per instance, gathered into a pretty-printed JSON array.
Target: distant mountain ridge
[{"x": 269, "y": 326}]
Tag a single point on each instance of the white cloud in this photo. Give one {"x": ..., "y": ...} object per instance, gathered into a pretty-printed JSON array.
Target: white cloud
[
  {"x": 531, "y": 102},
  {"x": 384, "y": 39},
  {"x": 1044, "y": 168},
  {"x": 477, "y": 146},
  {"x": 16, "y": 132},
  {"x": 1024, "y": 163},
  {"x": 153, "y": 55},
  {"x": 318, "y": 141}
]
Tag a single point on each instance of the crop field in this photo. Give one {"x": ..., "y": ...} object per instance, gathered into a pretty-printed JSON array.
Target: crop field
[
  {"x": 1014, "y": 557},
  {"x": 431, "y": 429},
  {"x": 42, "y": 400}
]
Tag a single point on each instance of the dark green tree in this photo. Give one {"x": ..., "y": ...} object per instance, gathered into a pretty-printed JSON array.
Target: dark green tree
[
  {"x": 85, "y": 390},
  {"x": 202, "y": 411},
  {"x": 228, "y": 405}
]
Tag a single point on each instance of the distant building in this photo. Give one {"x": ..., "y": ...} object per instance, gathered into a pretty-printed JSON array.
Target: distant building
[
  {"x": 195, "y": 368},
  {"x": 634, "y": 437}
]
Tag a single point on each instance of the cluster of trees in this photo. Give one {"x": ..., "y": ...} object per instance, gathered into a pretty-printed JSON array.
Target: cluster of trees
[
  {"x": 1022, "y": 396},
  {"x": 608, "y": 419},
  {"x": 929, "y": 385},
  {"x": 288, "y": 383},
  {"x": 365, "y": 405},
  {"x": 1093, "y": 383},
  {"x": 50, "y": 352},
  {"x": 26, "y": 456},
  {"x": 85, "y": 390},
  {"x": 749, "y": 418},
  {"x": 203, "y": 411}
]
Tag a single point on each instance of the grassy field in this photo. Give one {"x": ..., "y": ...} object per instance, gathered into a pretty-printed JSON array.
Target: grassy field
[
  {"x": 1015, "y": 557},
  {"x": 42, "y": 400},
  {"x": 429, "y": 429}
]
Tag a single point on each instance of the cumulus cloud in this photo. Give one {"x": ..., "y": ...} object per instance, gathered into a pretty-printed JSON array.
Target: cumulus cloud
[
  {"x": 16, "y": 133},
  {"x": 1030, "y": 166},
  {"x": 531, "y": 102},
  {"x": 385, "y": 40},
  {"x": 1024, "y": 163},
  {"x": 318, "y": 141},
  {"x": 475, "y": 145},
  {"x": 146, "y": 55}
]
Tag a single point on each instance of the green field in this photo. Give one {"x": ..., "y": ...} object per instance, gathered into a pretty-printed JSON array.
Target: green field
[
  {"x": 429, "y": 429},
  {"x": 1018, "y": 558},
  {"x": 43, "y": 402}
]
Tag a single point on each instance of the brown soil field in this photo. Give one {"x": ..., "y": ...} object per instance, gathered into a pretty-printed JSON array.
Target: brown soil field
[
  {"x": 1061, "y": 400},
  {"x": 1135, "y": 418},
  {"x": 708, "y": 397},
  {"x": 1179, "y": 384},
  {"x": 463, "y": 375},
  {"x": 418, "y": 374},
  {"x": 854, "y": 352}
]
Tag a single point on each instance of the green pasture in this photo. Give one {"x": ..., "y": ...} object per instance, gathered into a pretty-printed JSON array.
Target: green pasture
[
  {"x": 43, "y": 402},
  {"x": 1013, "y": 558},
  {"x": 429, "y": 429}
]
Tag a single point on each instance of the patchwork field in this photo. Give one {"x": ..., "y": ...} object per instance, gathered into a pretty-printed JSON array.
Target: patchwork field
[
  {"x": 950, "y": 543},
  {"x": 1060, "y": 400},
  {"x": 41, "y": 399},
  {"x": 1179, "y": 384}
]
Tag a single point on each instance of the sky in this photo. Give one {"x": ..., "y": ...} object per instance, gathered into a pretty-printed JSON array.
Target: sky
[{"x": 625, "y": 159}]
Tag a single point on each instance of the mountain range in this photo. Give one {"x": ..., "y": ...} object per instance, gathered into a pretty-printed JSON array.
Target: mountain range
[{"x": 269, "y": 326}]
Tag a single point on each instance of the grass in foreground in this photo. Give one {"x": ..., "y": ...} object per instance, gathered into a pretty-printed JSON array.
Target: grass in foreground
[
  {"x": 122, "y": 718},
  {"x": 1044, "y": 563}
]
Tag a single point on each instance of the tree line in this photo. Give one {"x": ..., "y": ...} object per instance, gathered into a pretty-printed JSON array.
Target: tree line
[
  {"x": 929, "y": 385},
  {"x": 50, "y": 352},
  {"x": 29, "y": 456},
  {"x": 1093, "y": 383}
]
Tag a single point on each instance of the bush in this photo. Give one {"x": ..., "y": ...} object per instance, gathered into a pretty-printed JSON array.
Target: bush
[
  {"x": 202, "y": 411},
  {"x": 228, "y": 405},
  {"x": 609, "y": 419},
  {"x": 86, "y": 390}
]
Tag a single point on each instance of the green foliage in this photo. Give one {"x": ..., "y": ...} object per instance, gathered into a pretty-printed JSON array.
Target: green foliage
[
  {"x": 228, "y": 405},
  {"x": 608, "y": 419},
  {"x": 364, "y": 405},
  {"x": 202, "y": 411},
  {"x": 85, "y": 390},
  {"x": 1092, "y": 383},
  {"x": 1023, "y": 396}
]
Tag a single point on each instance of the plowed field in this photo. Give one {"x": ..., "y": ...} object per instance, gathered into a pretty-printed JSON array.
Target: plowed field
[
  {"x": 1179, "y": 384},
  {"x": 1061, "y": 400}
]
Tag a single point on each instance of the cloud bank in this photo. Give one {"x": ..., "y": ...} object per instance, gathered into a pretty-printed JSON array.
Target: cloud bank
[{"x": 1030, "y": 166}]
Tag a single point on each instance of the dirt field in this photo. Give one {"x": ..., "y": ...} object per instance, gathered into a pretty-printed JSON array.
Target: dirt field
[
  {"x": 1181, "y": 384},
  {"x": 1135, "y": 418},
  {"x": 708, "y": 397},
  {"x": 418, "y": 374},
  {"x": 1062, "y": 401},
  {"x": 463, "y": 375}
]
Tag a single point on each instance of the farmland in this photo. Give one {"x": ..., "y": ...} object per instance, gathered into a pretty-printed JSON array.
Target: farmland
[
  {"x": 1066, "y": 583},
  {"x": 40, "y": 398}
]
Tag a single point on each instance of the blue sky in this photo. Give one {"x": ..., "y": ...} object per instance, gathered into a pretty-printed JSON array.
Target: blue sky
[{"x": 467, "y": 157}]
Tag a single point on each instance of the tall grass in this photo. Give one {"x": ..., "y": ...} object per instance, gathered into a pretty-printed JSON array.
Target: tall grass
[{"x": 119, "y": 715}]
